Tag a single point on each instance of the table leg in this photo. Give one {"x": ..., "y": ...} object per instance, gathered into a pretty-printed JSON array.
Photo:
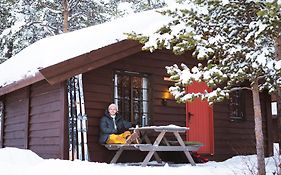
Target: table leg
[
  {"x": 150, "y": 153},
  {"x": 156, "y": 156},
  {"x": 166, "y": 141},
  {"x": 117, "y": 155},
  {"x": 187, "y": 153}
]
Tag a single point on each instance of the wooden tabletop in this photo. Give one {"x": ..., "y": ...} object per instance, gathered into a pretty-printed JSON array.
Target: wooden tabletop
[{"x": 167, "y": 128}]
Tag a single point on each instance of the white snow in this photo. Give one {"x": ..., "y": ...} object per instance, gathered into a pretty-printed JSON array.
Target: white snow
[
  {"x": 53, "y": 50},
  {"x": 14, "y": 161}
]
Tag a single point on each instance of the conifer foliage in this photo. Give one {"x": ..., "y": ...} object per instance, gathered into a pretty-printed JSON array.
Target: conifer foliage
[
  {"x": 24, "y": 22},
  {"x": 235, "y": 40}
]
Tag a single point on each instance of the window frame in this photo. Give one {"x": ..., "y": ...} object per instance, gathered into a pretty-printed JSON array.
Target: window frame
[
  {"x": 142, "y": 120},
  {"x": 237, "y": 106},
  {"x": 274, "y": 109}
]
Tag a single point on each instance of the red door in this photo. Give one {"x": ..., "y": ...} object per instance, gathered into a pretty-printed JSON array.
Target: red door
[{"x": 199, "y": 119}]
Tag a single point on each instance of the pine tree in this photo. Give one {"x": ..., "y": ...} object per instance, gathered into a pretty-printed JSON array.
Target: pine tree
[
  {"x": 236, "y": 39},
  {"x": 278, "y": 93},
  {"x": 24, "y": 22}
]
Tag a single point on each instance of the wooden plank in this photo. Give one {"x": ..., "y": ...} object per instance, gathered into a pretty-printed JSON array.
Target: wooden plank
[
  {"x": 124, "y": 146},
  {"x": 16, "y": 96},
  {"x": 238, "y": 131},
  {"x": 44, "y": 125},
  {"x": 45, "y": 117},
  {"x": 13, "y": 119},
  {"x": 27, "y": 117},
  {"x": 221, "y": 107},
  {"x": 168, "y": 116},
  {"x": 44, "y": 141},
  {"x": 15, "y": 127},
  {"x": 101, "y": 76},
  {"x": 50, "y": 97},
  {"x": 16, "y": 113},
  {"x": 63, "y": 117},
  {"x": 168, "y": 111},
  {"x": 90, "y": 61},
  {"x": 16, "y": 142},
  {"x": 45, "y": 133},
  {"x": 94, "y": 122},
  {"x": 43, "y": 87},
  {"x": 164, "y": 123},
  {"x": 43, "y": 149},
  {"x": 21, "y": 83},
  {"x": 94, "y": 105},
  {"x": 46, "y": 108},
  {"x": 45, "y": 91},
  {"x": 228, "y": 124},
  {"x": 167, "y": 148},
  {"x": 97, "y": 88},
  {"x": 96, "y": 112},
  {"x": 49, "y": 155},
  {"x": 2, "y": 121},
  {"x": 101, "y": 97},
  {"x": 19, "y": 134}
]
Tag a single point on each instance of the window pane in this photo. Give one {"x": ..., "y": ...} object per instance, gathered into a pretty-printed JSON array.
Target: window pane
[
  {"x": 136, "y": 82},
  {"x": 132, "y": 95},
  {"x": 274, "y": 108},
  {"x": 237, "y": 105},
  {"x": 145, "y": 116},
  {"x": 137, "y": 94}
]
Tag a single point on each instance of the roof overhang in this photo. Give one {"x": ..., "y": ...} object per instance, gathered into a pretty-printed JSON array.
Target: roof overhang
[
  {"x": 80, "y": 64},
  {"x": 21, "y": 83},
  {"x": 90, "y": 61}
]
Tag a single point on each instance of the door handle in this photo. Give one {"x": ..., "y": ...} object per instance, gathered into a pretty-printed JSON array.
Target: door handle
[{"x": 189, "y": 114}]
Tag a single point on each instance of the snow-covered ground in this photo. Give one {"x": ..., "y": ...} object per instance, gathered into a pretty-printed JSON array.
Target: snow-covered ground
[{"x": 15, "y": 161}]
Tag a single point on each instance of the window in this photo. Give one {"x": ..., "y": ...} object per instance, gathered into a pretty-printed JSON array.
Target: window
[
  {"x": 131, "y": 96},
  {"x": 237, "y": 105},
  {"x": 274, "y": 109}
]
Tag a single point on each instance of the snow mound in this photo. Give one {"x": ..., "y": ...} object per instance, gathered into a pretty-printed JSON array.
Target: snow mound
[{"x": 18, "y": 156}]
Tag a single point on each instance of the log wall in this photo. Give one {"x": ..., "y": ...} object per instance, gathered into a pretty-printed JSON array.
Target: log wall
[{"x": 35, "y": 119}]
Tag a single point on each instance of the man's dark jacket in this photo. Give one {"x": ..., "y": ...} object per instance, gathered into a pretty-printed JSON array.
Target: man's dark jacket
[{"x": 107, "y": 126}]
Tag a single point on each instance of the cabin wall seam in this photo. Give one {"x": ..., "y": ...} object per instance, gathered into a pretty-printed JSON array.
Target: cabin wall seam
[
  {"x": 27, "y": 118},
  {"x": 2, "y": 123}
]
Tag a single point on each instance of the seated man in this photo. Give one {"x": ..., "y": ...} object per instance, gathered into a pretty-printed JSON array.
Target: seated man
[{"x": 114, "y": 129}]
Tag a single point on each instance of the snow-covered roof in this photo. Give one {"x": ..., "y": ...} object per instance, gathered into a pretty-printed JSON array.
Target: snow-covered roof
[{"x": 52, "y": 50}]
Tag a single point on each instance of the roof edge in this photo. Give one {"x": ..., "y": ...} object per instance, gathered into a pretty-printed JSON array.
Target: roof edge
[
  {"x": 89, "y": 61},
  {"x": 21, "y": 83}
]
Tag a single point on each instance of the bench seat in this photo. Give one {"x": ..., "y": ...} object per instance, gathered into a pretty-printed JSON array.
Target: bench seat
[
  {"x": 150, "y": 147},
  {"x": 168, "y": 148},
  {"x": 125, "y": 146}
]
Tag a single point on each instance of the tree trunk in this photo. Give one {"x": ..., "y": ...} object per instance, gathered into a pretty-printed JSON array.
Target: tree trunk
[
  {"x": 9, "y": 52},
  {"x": 258, "y": 129},
  {"x": 278, "y": 94},
  {"x": 65, "y": 15}
]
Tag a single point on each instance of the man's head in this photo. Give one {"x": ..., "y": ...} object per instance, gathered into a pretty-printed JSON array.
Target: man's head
[{"x": 112, "y": 109}]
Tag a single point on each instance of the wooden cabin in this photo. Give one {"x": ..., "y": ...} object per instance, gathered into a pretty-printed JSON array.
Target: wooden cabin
[{"x": 34, "y": 110}]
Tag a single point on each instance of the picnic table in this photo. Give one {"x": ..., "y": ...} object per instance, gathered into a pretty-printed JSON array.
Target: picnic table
[{"x": 161, "y": 143}]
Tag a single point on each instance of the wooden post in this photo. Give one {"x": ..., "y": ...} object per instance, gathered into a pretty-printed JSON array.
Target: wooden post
[{"x": 64, "y": 142}]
